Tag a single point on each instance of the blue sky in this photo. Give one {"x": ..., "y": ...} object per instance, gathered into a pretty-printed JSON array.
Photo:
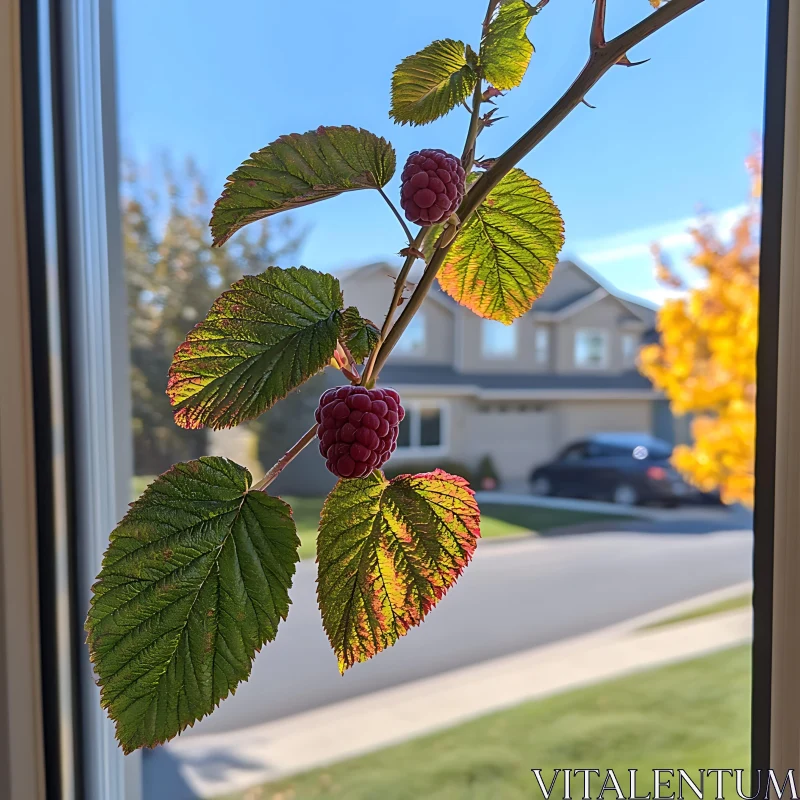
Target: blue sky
[{"x": 216, "y": 81}]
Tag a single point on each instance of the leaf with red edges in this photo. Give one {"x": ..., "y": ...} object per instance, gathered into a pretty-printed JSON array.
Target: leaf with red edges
[
  {"x": 388, "y": 551},
  {"x": 261, "y": 339}
]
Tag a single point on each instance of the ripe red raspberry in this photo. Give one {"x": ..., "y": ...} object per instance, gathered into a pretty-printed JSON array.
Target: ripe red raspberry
[
  {"x": 432, "y": 186},
  {"x": 358, "y": 428}
]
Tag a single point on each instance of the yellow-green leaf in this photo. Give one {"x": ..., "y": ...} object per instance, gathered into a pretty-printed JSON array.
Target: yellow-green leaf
[
  {"x": 431, "y": 83},
  {"x": 299, "y": 169},
  {"x": 506, "y": 50},
  {"x": 195, "y": 581},
  {"x": 388, "y": 551},
  {"x": 503, "y": 258}
]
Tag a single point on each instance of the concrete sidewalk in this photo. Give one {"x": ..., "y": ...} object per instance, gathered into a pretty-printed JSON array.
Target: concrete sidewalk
[{"x": 216, "y": 764}]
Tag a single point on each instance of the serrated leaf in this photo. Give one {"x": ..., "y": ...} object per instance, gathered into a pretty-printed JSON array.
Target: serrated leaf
[
  {"x": 506, "y": 50},
  {"x": 359, "y": 334},
  {"x": 431, "y": 83},
  {"x": 388, "y": 551},
  {"x": 194, "y": 582},
  {"x": 261, "y": 339},
  {"x": 503, "y": 258},
  {"x": 299, "y": 169}
]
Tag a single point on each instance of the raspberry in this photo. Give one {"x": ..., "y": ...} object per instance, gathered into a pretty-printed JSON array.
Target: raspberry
[
  {"x": 432, "y": 186},
  {"x": 357, "y": 428}
]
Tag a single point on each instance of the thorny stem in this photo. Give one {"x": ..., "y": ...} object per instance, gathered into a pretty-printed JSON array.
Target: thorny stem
[
  {"x": 400, "y": 219},
  {"x": 468, "y": 156},
  {"x": 597, "y": 37},
  {"x": 399, "y": 286},
  {"x": 600, "y": 61},
  {"x": 285, "y": 459}
]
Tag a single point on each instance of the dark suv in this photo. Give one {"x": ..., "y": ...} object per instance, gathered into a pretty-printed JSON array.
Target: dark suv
[{"x": 624, "y": 468}]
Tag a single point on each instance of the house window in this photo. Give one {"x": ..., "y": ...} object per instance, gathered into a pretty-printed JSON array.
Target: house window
[
  {"x": 422, "y": 428},
  {"x": 591, "y": 348},
  {"x": 498, "y": 340},
  {"x": 630, "y": 346},
  {"x": 541, "y": 344},
  {"x": 430, "y": 427},
  {"x": 412, "y": 342}
]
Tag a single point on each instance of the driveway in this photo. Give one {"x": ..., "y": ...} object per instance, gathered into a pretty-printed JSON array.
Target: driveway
[{"x": 516, "y": 595}]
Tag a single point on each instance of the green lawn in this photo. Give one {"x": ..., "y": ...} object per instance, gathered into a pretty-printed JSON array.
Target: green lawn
[
  {"x": 497, "y": 519},
  {"x": 690, "y": 715},
  {"x": 543, "y": 520},
  {"x": 731, "y": 604}
]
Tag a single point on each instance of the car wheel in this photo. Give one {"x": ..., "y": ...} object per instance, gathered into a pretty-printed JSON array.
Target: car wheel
[
  {"x": 625, "y": 495},
  {"x": 541, "y": 486}
]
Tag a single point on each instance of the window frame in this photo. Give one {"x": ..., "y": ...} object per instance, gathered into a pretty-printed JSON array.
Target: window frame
[
  {"x": 66, "y": 27},
  {"x": 541, "y": 349},
  {"x": 628, "y": 361},
  {"x": 489, "y": 324},
  {"x": 604, "y": 335},
  {"x": 415, "y": 450}
]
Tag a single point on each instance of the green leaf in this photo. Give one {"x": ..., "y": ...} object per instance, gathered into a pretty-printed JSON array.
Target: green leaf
[
  {"x": 194, "y": 582},
  {"x": 360, "y": 335},
  {"x": 503, "y": 258},
  {"x": 506, "y": 50},
  {"x": 299, "y": 169},
  {"x": 262, "y": 338},
  {"x": 388, "y": 551},
  {"x": 431, "y": 83}
]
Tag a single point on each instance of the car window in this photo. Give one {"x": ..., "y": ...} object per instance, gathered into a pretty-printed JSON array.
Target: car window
[{"x": 576, "y": 452}]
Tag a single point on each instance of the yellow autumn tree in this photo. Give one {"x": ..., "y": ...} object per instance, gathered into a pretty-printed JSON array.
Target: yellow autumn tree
[{"x": 705, "y": 360}]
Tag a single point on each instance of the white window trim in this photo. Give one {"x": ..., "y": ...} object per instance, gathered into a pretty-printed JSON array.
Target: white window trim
[
  {"x": 510, "y": 356},
  {"x": 415, "y": 450},
  {"x": 411, "y": 354},
  {"x": 603, "y": 333}
]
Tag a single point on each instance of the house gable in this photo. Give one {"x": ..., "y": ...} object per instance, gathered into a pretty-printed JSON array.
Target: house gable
[{"x": 370, "y": 289}]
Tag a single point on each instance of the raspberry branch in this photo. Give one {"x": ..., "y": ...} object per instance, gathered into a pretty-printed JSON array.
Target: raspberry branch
[
  {"x": 600, "y": 61},
  {"x": 285, "y": 459}
]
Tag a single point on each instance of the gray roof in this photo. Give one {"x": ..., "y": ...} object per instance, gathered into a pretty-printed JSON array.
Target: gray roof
[{"x": 442, "y": 375}]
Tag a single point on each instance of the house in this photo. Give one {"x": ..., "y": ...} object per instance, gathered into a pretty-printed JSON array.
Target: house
[{"x": 473, "y": 387}]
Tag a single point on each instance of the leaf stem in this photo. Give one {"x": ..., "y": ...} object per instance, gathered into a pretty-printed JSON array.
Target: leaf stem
[
  {"x": 285, "y": 459},
  {"x": 400, "y": 219},
  {"x": 600, "y": 61}
]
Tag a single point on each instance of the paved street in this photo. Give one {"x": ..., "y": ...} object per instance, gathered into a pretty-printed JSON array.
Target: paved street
[
  {"x": 512, "y": 597},
  {"x": 516, "y": 595}
]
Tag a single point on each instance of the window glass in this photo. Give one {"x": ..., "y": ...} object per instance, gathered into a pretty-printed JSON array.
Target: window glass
[
  {"x": 542, "y": 345},
  {"x": 591, "y": 348},
  {"x": 265, "y": 67},
  {"x": 404, "y": 433},
  {"x": 498, "y": 340},
  {"x": 412, "y": 341},
  {"x": 575, "y": 453},
  {"x": 629, "y": 348},
  {"x": 430, "y": 427}
]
